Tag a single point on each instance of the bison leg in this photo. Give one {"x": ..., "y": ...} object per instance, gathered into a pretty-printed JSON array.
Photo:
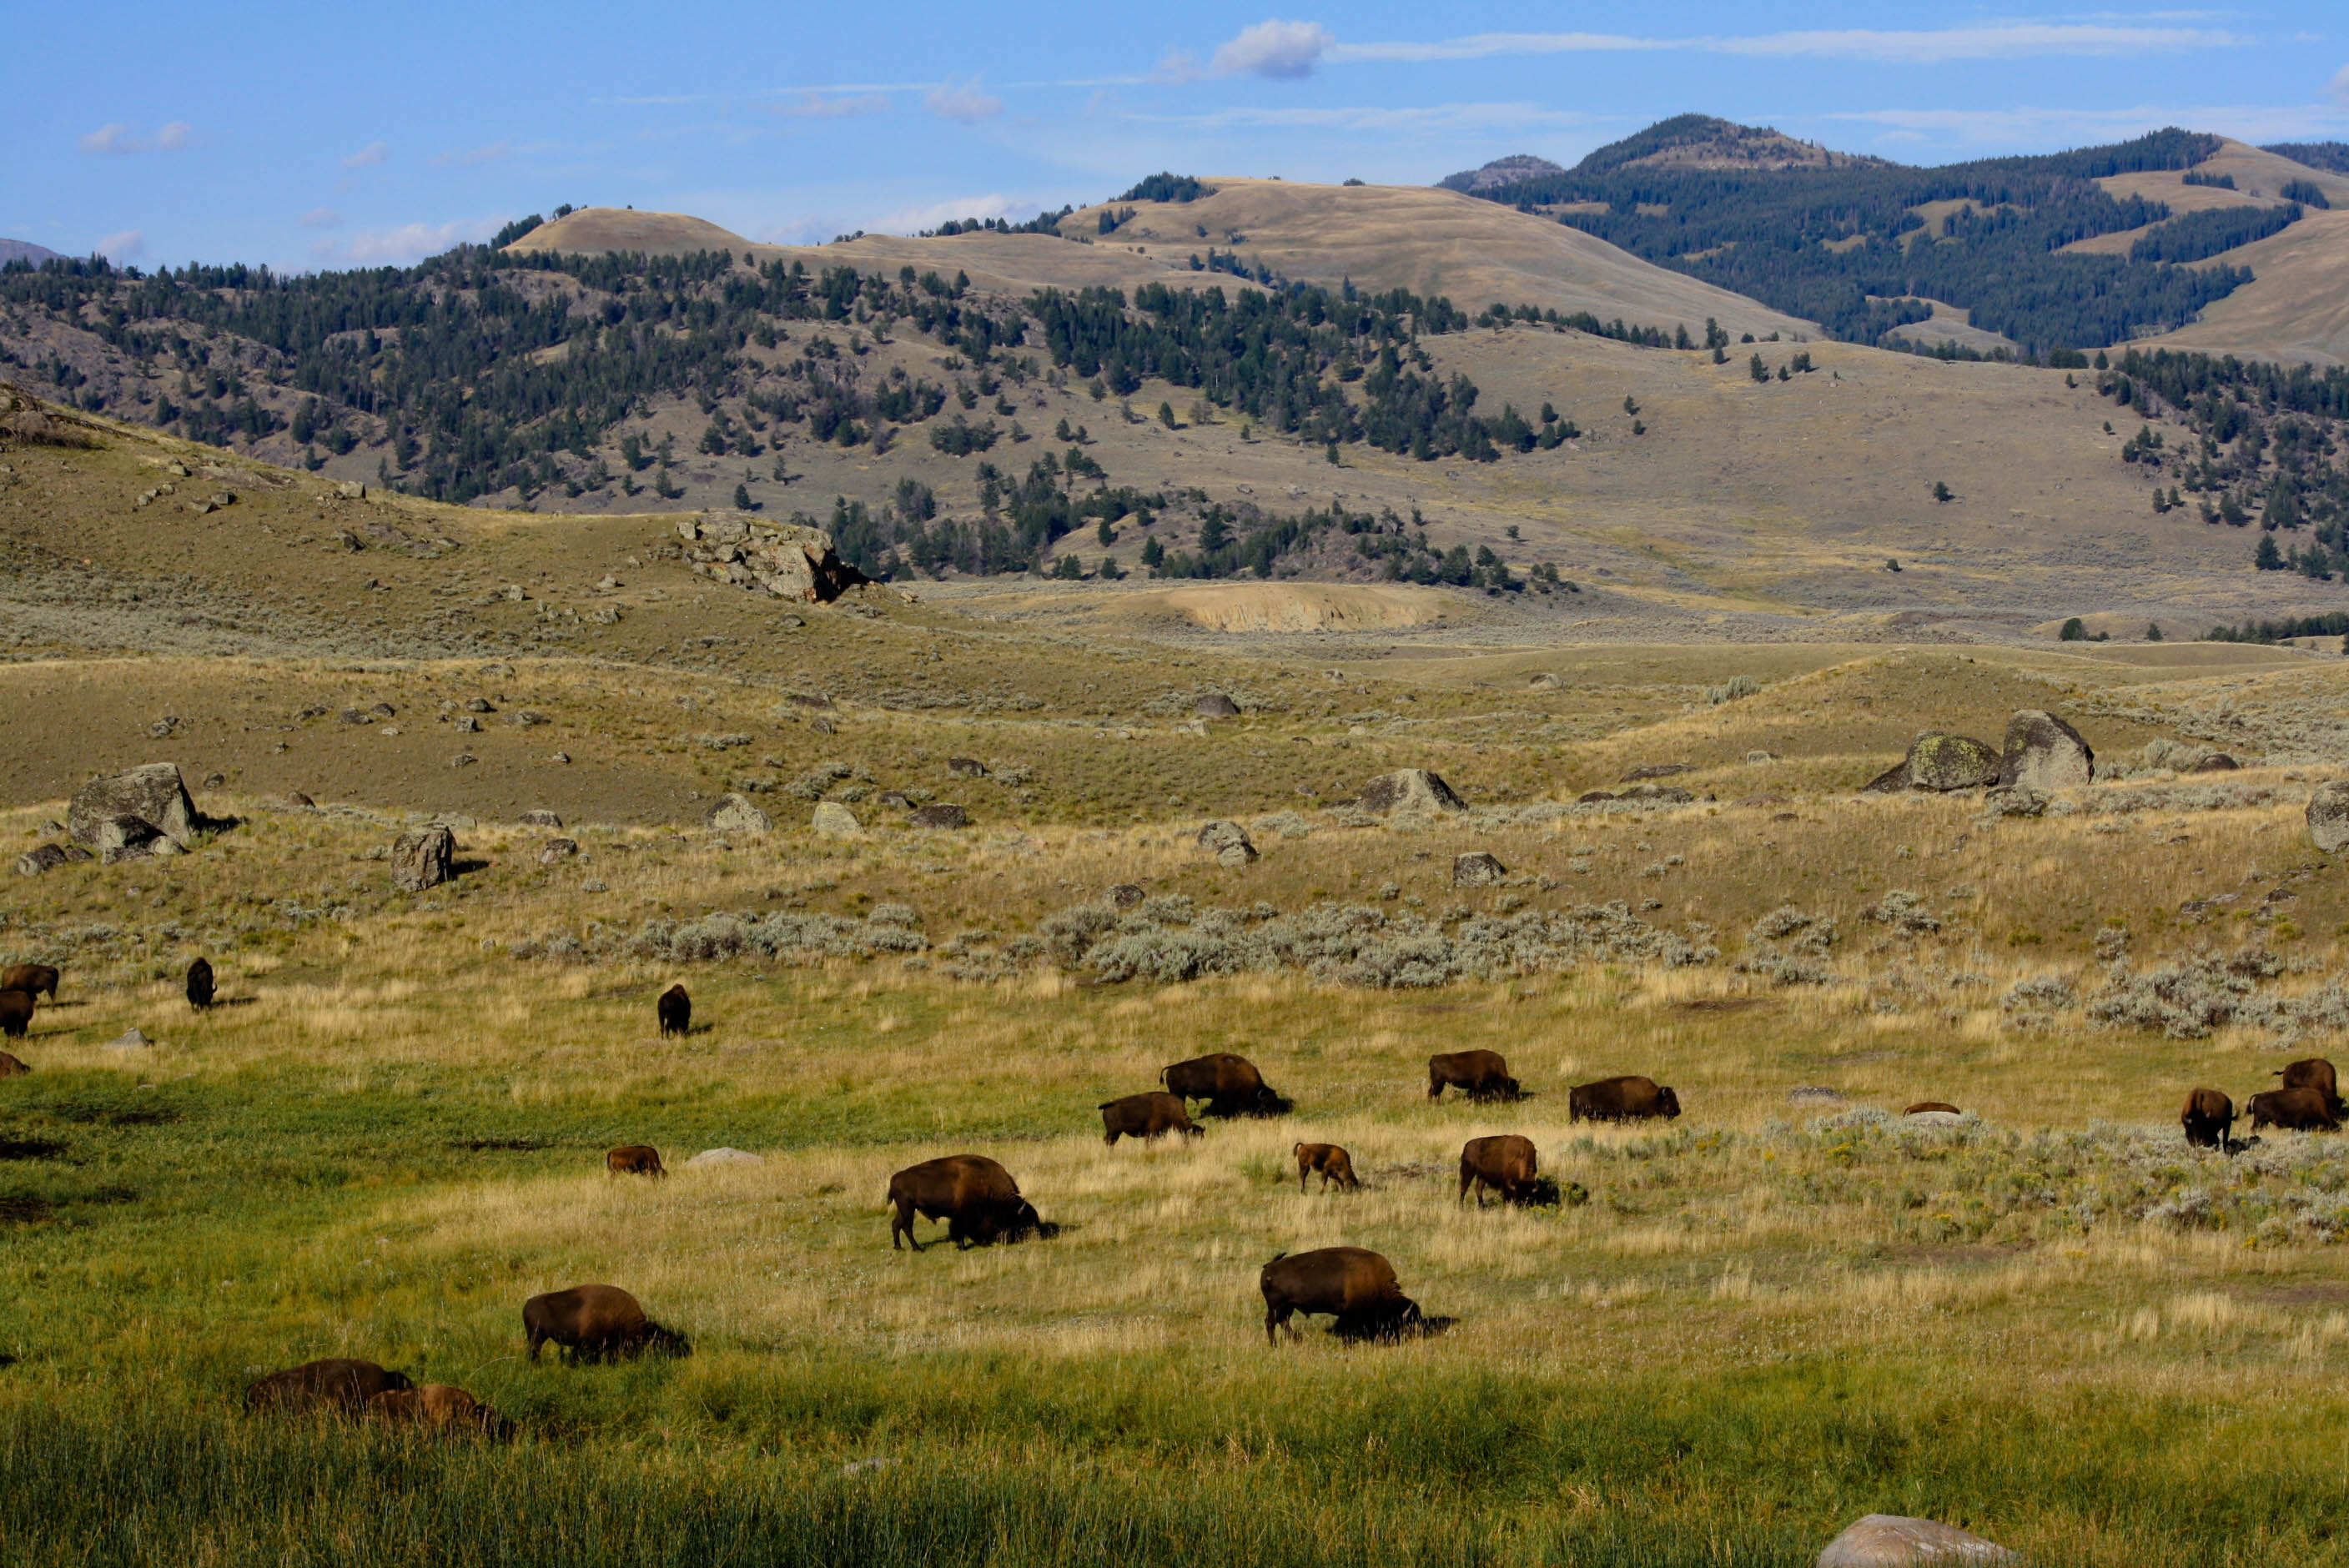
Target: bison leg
[
  {"x": 903, "y": 1227},
  {"x": 536, "y": 1339},
  {"x": 1275, "y": 1316}
]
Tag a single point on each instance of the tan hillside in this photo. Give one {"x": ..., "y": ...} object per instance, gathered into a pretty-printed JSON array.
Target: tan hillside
[
  {"x": 593, "y": 229},
  {"x": 1432, "y": 242}
]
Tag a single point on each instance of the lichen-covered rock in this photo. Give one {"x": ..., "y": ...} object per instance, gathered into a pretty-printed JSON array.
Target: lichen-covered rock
[
  {"x": 940, "y": 816},
  {"x": 1228, "y": 842},
  {"x": 423, "y": 858},
  {"x": 784, "y": 560},
  {"x": 833, "y": 820},
  {"x": 2328, "y": 816},
  {"x": 1940, "y": 762},
  {"x": 43, "y": 858},
  {"x": 1408, "y": 789},
  {"x": 735, "y": 814},
  {"x": 966, "y": 767},
  {"x": 1892, "y": 1541},
  {"x": 2045, "y": 753},
  {"x": 154, "y": 796},
  {"x": 541, "y": 818},
  {"x": 1478, "y": 870},
  {"x": 555, "y": 851},
  {"x": 1216, "y": 704}
]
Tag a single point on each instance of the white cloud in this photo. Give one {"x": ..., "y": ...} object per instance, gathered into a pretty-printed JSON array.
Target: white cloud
[
  {"x": 962, "y": 102},
  {"x": 496, "y": 151},
  {"x": 117, "y": 138},
  {"x": 405, "y": 244},
  {"x": 373, "y": 153},
  {"x": 1997, "y": 41},
  {"x": 909, "y": 220},
  {"x": 173, "y": 136},
  {"x": 2337, "y": 89},
  {"x": 124, "y": 248},
  {"x": 2035, "y": 125},
  {"x": 812, "y": 105},
  {"x": 1274, "y": 48},
  {"x": 322, "y": 217}
]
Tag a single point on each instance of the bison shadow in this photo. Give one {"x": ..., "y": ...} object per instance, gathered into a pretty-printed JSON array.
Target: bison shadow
[
  {"x": 1388, "y": 1327},
  {"x": 1266, "y": 1104}
]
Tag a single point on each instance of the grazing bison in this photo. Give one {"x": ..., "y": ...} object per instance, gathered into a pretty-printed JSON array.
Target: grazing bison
[
  {"x": 1503, "y": 1163},
  {"x": 976, "y": 1197},
  {"x": 1925, "y": 1105},
  {"x": 1334, "y": 1163},
  {"x": 675, "y": 1010},
  {"x": 438, "y": 1405},
  {"x": 1230, "y": 1085},
  {"x": 2208, "y": 1118},
  {"x": 16, "y": 1013},
  {"x": 596, "y": 1323},
  {"x": 1620, "y": 1099},
  {"x": 2294, "y": 1110},
  {"x": 339, "y": 1385},
  {"x": 1148, "y": 1117},
  {"x": 200, "y": 985},
  {"x": 1354, "y": 1284},
  {"x": 2314, "y": 1072},
  {"x": 635, "y": 1159},
  {"x": 11, "y": 1068},
  {"x": 32, "y": 979},
  {"x": 1479, "y": 1075}
]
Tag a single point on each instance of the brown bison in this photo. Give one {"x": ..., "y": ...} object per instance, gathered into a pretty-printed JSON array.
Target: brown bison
[
  {"x": 1503, "y": 1163},
  {"x": 676, "y": 1011},
  {"x": 339, "y": 1384},
  {"x": 11, "y": 1068},
  {"x": 1620, "y": 1099},
  {"x": 1923, "y": 1106},
  {"x": 32, "y": 979},
  {"x": 1334, "y": 1163},
  {"x": 1148, "y": 1117},
  {"x": 440, "y": 1407},
  {"x": 1479, "y": 1075},
  {"x": 1230, "y": 1085},
  {"x": 976, "y": 1197},
  {"x": 1354, "y": 1285},
  {"x": 2314, "y": 1072},
  {"x": 2294, "y": 1110},
  {"x": 635, "y": 1159},
  {"x": 2208, "y": 1118},
  {"x": 200, "y": 985},
  {"x": 597, "y": 1323},
  {"x": 16, "y": 1013}
]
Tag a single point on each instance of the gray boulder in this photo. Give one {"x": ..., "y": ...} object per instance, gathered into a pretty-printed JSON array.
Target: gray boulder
[
  {"x": 541, "y": 818},
  {"x": 1228, "y": 842},
  {"x": 1892, "y": 1541},
  {"x": 153, "y": 797},
  {"x": 423, "y": 858},
  {"x": 2328, "y": 816},
  {"x": 735, "y": 814},
  {"x": 1216, "y": 704},
  {"x": 43, "y": 858},
  {"x": 132, "y": 1040},
  {"x": 2217, "y": 762},
  {"x": 1478, "y": 870},
  {"x": 1408, "y": 789},
  {"x": 2014, "y": 800},
  {"x": 1545, "y": 681},
  {"x": 834, "y": 820},
  {"x": 1939, "y": 763},
  {"x": 1125, "y": 895},
  {"x": 555, "y": 851},
  {"x": 709, "y": 1157},
  {"x": 1654, "y": 770},
  {"x": 966, "y": 767},
  {"x": 2044, "y": 753},
  {"x": 940, "y": 816}
]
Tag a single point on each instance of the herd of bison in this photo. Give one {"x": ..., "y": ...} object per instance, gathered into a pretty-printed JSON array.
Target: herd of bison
[{"x": 980, "y": 1203}]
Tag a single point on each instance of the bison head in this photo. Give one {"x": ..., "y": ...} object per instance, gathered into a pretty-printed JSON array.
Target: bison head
[
  {"x": 659, "y": 1341},
  {"x": 1668, "y": 1103},
  {"x": 397, "y": 1380},
  {"x": 1267, "y": 1103}
]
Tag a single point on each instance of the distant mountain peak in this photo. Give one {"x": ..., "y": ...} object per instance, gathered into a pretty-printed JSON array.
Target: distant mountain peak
[
  {"x": 25, "y": 251},
  {"x": 1500, "y": 172},
  {"x": 1705, "y": 141}
]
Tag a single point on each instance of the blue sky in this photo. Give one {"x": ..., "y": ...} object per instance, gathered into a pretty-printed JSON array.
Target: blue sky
[{"x": 334, "y": 135}]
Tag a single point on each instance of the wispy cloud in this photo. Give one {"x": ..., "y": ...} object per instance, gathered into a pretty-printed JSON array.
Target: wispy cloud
[
  {"x": 1939, "y": 46},
  {"x": 123, "y": 248},
  {"x": 495, "y": 152},
  {"x": 1274, "y": 48},
  {"x": 1377, "y": 117},
  {"x": 962, "y": 102},
  {"x": 2037, "y": 125},
  {"x": 827, "y": 106},
  {"x": 404, "y": 243},
  {"x": 117, "y": 138},
  {"x": 322, "y": 217},
  {"x": 2337, "y": 89},
  {"x": 908, "y": 220},
  {"x": 367, "y": 157}
]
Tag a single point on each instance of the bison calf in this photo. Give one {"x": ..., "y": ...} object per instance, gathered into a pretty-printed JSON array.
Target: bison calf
[
  {"x": 1479, "y": 1075},
  {"x": 1503, "y": 1163},
  {"x": 337, "y": 1384},
  {"x": 200, "y": 983},
  {"x": 596, "y": 1323},
  {"x": 1148, "y": 1117},
  {"x": 2208, "y": 1118},
  {"x": 32, "y": 979},
  {"x": 1630, "y": 1099},
  {"x": 1923, "y": 1106},
  {"x": 16, "y": 1013},
  {"x": 11, "y": 1068},
  {"x": 1354, "y": 1284},
  {"x": 438, "y": 1405},
  {"x": 975, "y": 1196},
  {"x": 2313, "y": 1072},
  {"x": 1229, "y": 1084},
  {"x": 2294, "y": 1110},
  {"x": 1334, "y": 1163},
  {"x": 635, "y": 1159},
  {"x": 675, "y": 1010}
]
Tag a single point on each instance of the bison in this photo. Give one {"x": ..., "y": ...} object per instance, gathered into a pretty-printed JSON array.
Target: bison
[
  {"x": 1620, "y": 1099},
  {"x": 1479, "y": 1075},
  {"x": 1230, "y": 1085},
  {"x": 635, "y": 1159},
  {"x": 11, "y": 1068},
  {"x": 676, "y": 1011},
  {"x": 2208, "y": 1118},
  {"x": 339, "y": 1385},
  {"x": 1923, "y": 1106},
  {"x": 1148, "y": 1117},
  {"x": 1503, "y": 1163},
  {"x": 16, "y": 1013},
  {"x": 2294, "y": 1110},
  {"x": 200, "y": 985},
  {"x": 597, "y": 1323},
  {"x": 438, "y": 1405},
  {"x": 1334, "y": 1163},
  {"x": 32, "y": 979},
  {"x": 2314, "y": 1072},
  {"x": 1354, "y": 1285},
  {"x": 976, "y": 1197}
]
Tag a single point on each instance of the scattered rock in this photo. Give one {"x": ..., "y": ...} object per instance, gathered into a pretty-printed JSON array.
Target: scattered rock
[
  {"x": 820, "y": 725},
  {"x": 423, "y": 858},
  {"x": 162, "y": 727},
  {"x": 1408, "y": 789},
  {"x": 735, "y": 814},
  {"x": 966, "y": 767},
  {"x": 540, "y": 817},
  {"x": 806, "y": 699},
  {"x": 130, "y": 1039},
  {"x": 113, "y": 811},
  {"x": 479, "y": 704},
  {"x": 1594, "y": 796},
  {"x": 384, "y": 710},
  {"x": 1545, "y": 681},
  {"x": 896, "y": 799},
  {"x": 45, "y": 858},
  {"x": 353, "y": 716},
  {"x": 560, "y": 757},
  {"x": 2328, "y": 816},
  {"x": 2217, "y": 762},
  {"x": 834, "y": 821},
  {"x": 468, "y": 724},
  {"x": 1758, "y": 757},
  {"x": 2016, "y": 801},
  {"x": 215, "y": 780},
  {"x": 1216, "y": 704},
  {"x": 785, "y": 559},
  {"x": 556, "y": 850},
  {"x": 463, "y": 760},
  {"x": 1940, "y": 762},
  {"x": 1890, "y": 1541},
  {"x": 1655, "y": 770},
  {"x": 712, "y": 1157},
  {"x": 1477, "y": 870},
  {"x": 940, "y": 816},
  {"x": 526, "y": 718},
  {"x": 2045, "y": 753},
  {"x": 1228, "y": 842},
  {"x": 1667, "y": 794},
  {"x": 349, "y": 489},
  {"x": 1814, "y": 1094},
  {"x": 1125, "y": 895}
]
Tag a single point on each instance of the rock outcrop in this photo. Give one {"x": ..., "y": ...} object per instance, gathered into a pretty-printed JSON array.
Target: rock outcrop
[
  {"x": 2044, "y": 753},
  {"x": 1228, "y": 842},
  {"x": 1478, "y": 870},
  {"x": 1893, "y": 1541},
  {"x": 132, "y": 812},
  {"x": 735, "y": 814},
  {"x": 941, "y": 815},
  {"x": 423, "y": 858},
  {"x": 782, "y": 559},
  {"x": 833, "y": 820},
  {"x": 1939, "y": 763},
  {"x": 1216, "y": 704},
  {"x": 2328, "y": 816},
  {"x": 1408, "y": 789}
]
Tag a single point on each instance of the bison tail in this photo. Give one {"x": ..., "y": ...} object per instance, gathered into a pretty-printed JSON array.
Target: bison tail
[{"x": 1275, "y": 1258}]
